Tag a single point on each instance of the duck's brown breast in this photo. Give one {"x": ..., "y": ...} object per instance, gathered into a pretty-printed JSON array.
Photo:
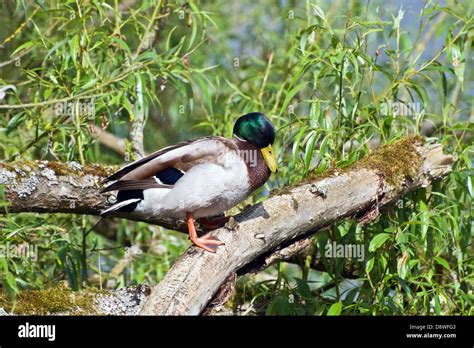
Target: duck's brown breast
[{"x": 258, "y": 172}]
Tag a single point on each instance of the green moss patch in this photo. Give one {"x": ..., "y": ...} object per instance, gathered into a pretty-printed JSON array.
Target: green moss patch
[
  {"x": 74, "y": 168},
  {"x": 395, "y": 162},
  {"x": 60, "y": 299},
  {"x": 59, "y": 168}
]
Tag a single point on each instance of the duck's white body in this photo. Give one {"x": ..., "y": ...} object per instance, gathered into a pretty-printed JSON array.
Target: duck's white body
[
  {"x": 214, "y": 179},
  {"x": 206, "y": 190}
]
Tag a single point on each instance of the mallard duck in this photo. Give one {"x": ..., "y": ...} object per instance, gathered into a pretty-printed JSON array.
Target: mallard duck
[{"x": 199, "y": 178}]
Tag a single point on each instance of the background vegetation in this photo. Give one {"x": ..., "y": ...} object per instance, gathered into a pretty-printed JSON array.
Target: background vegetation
[{"x": 328, "y": 73}]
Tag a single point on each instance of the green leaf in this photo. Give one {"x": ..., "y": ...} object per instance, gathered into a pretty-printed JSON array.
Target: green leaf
[
  {"x": 458, "y": 61},
  {"x": 54, "y": 79},
  {"x": 296, "y": 142},
  {"x": 442, "y": 262},
  {"x": 148, "y": 56},
  {"x": 303, "y": 288},
  {"x": 195, "y": 10},
  {"x": 23, "y": 46},
  {"x": 290, "y": 95},
  {"x": 444, "y": 82},
  {"x": 308, "y": 154},
  {"x": 421, "y": 91},
  {"x": 74, "y": 48},
  {"x": 11, "y": 281},
  {"x": 438, "y": 67},
  {"x": 425, "y": 218},
  {"x": 335, "y": 309},
  {"x": 14, "y": 122},
  {"x": 122, "y": 44},
  {"x": 437, "y": 305},
  {"x": 304, "y": 38},
  {"x": 318, "y": 12},
  {"x": 89, "y": 84},
  {"x": 168, "y": 39},
  {"x": 128, "y": 106},
  {"x": 378, "y": 241},
  {"x": 47, "y": 93},
  {"x": 203, "y": 85},
  {"x": 369, "y": 265}
]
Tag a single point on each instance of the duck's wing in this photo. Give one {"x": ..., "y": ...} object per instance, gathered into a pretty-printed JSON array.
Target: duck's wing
[
  {"x": 143, "y": 173},
  {"x": 132, "y": 166}
]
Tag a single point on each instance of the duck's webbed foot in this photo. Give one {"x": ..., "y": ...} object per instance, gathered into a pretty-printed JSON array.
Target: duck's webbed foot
[{"x": 206, "y": 242}]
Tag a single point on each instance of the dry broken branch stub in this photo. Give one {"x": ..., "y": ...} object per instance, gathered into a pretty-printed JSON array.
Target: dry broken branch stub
[{"x": 260, "y": 234}]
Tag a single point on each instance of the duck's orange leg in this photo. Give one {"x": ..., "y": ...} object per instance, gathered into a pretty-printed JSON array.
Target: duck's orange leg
[{"x": 208, "y": 243}]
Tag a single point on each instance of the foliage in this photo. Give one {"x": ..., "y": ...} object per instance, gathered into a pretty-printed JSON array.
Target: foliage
[{"x": 337, "y": 79}]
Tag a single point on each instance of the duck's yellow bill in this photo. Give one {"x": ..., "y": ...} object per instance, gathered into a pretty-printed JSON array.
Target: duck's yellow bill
[{"x": 270, "y": 159}]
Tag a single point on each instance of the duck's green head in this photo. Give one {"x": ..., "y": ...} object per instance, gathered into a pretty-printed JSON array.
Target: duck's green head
[{"x": 257, "y": 129}]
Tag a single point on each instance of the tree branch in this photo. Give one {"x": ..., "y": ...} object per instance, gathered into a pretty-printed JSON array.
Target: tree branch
[
  {"x": 155, "y": 24},
  {"x": 295, "y": 213},
  {"x": 55, "y": 187},
  {"x": 108, "y": 139}
]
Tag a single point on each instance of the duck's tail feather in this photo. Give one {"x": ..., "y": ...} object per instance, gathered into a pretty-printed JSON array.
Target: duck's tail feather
[{"x": 119, "y": 205}]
